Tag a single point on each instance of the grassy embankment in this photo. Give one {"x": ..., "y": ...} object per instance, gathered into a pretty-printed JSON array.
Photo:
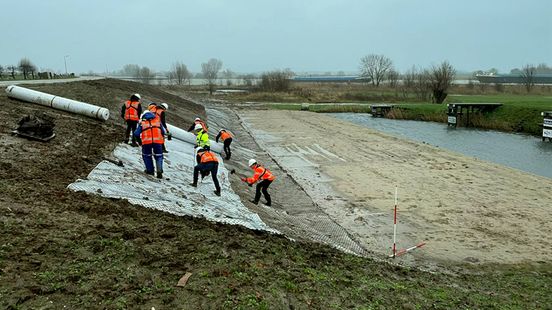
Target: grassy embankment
[{"x": 520, "y": 112}]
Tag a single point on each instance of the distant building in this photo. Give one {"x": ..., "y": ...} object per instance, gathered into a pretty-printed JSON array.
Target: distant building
[
  {"x": 331, "y": 79},
  {"x": 513, "y": 78}
]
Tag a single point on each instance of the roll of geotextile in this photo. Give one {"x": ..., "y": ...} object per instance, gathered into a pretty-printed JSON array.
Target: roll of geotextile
[
  {"x": 57, "y": 102},
  {"x": 189, "y": 137}
]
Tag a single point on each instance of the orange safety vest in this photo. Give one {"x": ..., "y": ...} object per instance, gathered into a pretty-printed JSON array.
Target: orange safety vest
[
  {"x": 261, "y": 173},
  {"x": 131, "y": 112},
  {"x": 207, "y": 157},
  {"x": 202, "y": 123},
  {"x": 151, "y": 131},
  {"x": 225, "y": 135}
]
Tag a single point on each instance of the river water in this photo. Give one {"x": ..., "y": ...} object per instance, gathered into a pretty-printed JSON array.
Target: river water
[{"x": 523, "y": 152}]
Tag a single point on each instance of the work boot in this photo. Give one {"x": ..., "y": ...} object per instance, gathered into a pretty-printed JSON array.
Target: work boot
[
  {"x": 159, "y": 175},
  {"x": 148, "y": 172},
  {"x": 267, "y": 204},
  {"x": 134, "y": 144},
  {"x": 193, "y": 184},
  {"x": 217, "y": 193},
  {"x": 253, "y": 201}
]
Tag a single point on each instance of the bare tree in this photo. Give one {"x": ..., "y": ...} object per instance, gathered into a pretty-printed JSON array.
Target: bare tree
[
  {"x": 1, "y": 72},
  {"x": 393, "y": 77},
  {"x": 26, "y": 67},
  {"x": 146, "y": 75},
  {"x": 278, "y": 80},
  {"x": 423, "y": 84},
  {"x": 12, "y": 69},
  {"x": 248, "y": 79},
  {"x": 441, "y": 78},
  {"x": 179, "y": 72},
  {"x": 210, "y": 72},
  {"x": 130, "y": 70},
  {"x": 375, "y": 67},
  {"x": 543, "y": 68},
  {"x": 528, "y": 76}
]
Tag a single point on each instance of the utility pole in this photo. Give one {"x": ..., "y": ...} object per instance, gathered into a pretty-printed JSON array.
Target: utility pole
[{"x": 65, "y": 61}]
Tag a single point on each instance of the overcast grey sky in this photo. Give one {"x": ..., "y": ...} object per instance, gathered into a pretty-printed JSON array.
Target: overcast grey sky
[{"x": 261, "y": 35}]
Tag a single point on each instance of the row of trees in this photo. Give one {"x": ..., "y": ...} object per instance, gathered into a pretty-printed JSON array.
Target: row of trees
[
  {"x": 426, "y": 83},
  {"x": 25, "y": 67}
]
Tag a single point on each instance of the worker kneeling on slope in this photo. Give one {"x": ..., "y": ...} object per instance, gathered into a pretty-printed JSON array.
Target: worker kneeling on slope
[
  {"x": 151, "y": 134},
  {"x": 208, "y": 163},
  {"x": 265, "y": 176},
  {"x": 226, "y": 137}
]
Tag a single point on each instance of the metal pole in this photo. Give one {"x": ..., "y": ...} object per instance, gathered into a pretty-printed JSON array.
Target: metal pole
[{"x": 65, "y": 61}]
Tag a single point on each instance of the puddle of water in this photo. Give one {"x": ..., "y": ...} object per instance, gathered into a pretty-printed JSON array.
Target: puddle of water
[{"x": 523, "y": 152}]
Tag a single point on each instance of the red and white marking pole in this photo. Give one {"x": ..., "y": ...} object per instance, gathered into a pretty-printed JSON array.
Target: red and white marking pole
[
  {"x": 395, "y": 225},
  {"x": 404, "y": 251}
]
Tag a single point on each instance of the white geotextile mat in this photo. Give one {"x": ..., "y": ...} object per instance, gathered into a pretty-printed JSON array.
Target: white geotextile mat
[{"x": 173, "y": 193}]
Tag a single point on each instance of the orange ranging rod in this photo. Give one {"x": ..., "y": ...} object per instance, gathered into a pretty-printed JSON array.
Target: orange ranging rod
[{"x": 404, "y": 251}]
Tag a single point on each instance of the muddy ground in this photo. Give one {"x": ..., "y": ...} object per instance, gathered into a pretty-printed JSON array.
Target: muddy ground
[{"x": 64, "y": 249}]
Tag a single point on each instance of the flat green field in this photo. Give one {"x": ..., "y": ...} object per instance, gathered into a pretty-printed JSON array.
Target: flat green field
[{"x": 519, "y": 113}]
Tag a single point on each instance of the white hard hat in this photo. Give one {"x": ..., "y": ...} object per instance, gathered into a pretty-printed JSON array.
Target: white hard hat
[
  {"x": 252, "y": 162},
  {"x": 137, "y": 96},
  {"x": 197, "y": 119},
  {"x": 164, "y": 106},
  {"x": 198, "y": 127}
]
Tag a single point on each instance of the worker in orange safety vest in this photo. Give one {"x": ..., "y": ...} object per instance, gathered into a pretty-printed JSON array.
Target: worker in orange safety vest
[
  {"x": 130, "y": 112},
  {"x": 151, "y": 134},
  {"x": 226, "y": 137},
  {"x": 198, "y": 121},
  {"x": 207, "y": 163},
  {"x": 265, "y": 178}
]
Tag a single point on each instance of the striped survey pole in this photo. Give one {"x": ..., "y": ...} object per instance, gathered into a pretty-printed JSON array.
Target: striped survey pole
[
  {"x": 395, "y": 225},
  {"x": 404, "y": 251}
]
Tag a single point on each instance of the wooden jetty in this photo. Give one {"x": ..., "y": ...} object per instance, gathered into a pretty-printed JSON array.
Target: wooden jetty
[
  {"x": 547, "y": 125},
  {"x": 380, "y": 110},
  {"x": 456, "y": 111}
]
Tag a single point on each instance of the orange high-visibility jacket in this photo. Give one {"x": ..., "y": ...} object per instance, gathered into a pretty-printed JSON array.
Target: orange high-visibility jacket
[
  {"x": 202, "y": 123},
  {"x": 261, "y": 173},
  {"x": 151, "y": 131},
  {"x": 225, "y": 135},
  {"x": 207, "y": 157},
  {"x": 131, "y": 113}
]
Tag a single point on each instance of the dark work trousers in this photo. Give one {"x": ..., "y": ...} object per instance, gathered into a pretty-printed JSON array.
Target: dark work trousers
[
  {"x": 211, "y": 167},
  {"x": 156, "y": 149},
  {"x": 131, "y": 127},
  {"x": 263, "y": 186},
  {"x": 227, "y": 151}
]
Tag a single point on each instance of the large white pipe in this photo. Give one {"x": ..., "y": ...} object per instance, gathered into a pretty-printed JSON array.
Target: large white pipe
[
  {"x": 56, "y": 102},
  {"x": 189, "y": 137}
]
